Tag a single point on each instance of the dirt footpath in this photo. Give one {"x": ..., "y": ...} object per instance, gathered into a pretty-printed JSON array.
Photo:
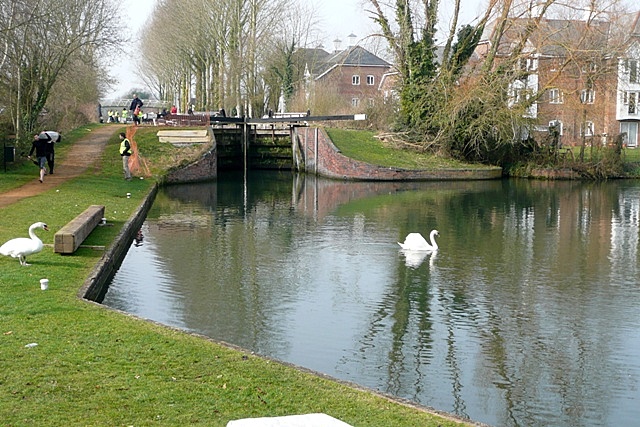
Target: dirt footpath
[{"x": 84, "y": 154}]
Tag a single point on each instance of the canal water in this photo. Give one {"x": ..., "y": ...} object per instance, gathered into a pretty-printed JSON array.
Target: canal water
[{"x": 527, "y": 315}]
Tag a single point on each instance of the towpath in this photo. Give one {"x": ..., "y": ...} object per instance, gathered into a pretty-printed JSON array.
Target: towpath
[{"x": 85, "y": 153}]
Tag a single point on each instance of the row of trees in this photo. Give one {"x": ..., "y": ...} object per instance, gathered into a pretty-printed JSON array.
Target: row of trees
[
  {"x": 233, "y": 53},
  {"x": 51, "y": 54}
]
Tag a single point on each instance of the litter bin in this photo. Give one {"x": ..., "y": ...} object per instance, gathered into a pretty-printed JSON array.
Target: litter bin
[{"x": 9, "y": 153}]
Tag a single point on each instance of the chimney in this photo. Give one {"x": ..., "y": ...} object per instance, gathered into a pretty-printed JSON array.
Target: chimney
[
  {"x": 336, "y": 45},
  {"x": 352, "y": 39}
]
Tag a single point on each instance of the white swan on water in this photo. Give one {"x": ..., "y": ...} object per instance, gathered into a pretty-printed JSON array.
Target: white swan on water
[
  {"x": 21, "y": 246},
  {"x": 415, "y": 242}
]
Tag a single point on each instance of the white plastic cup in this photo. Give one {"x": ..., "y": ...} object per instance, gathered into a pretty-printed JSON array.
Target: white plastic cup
[
  {"x": 44, "y": 284},
  {"x": 104, "y": 221}
]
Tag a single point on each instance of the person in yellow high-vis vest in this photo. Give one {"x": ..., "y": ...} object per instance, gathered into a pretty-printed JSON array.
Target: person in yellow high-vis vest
[{"x": 125, "y": 152}]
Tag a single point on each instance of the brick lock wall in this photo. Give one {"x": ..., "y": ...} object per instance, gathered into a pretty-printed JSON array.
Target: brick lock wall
[
  {"x": 329, "y": 162},
  {"x": 203, "y": 169}
]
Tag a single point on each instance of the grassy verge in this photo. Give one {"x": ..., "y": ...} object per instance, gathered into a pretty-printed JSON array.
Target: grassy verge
[
  {"x": 22, "y": 170},
  {"x": 361, "y": 145},
  {"x": 94, "y": 366}
]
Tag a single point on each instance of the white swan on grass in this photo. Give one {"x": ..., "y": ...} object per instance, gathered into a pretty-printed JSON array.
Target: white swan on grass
[
  {"x": 415, "y": 242},
  {"x": 21, "y": 246}
]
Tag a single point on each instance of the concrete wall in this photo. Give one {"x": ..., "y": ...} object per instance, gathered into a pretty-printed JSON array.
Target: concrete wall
[{"x": 322, "y": 157}]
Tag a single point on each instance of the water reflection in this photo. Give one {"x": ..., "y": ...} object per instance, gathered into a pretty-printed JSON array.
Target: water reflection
[
  {"x": 414, "y": 259},
  {"x": 528, "y": 315}
]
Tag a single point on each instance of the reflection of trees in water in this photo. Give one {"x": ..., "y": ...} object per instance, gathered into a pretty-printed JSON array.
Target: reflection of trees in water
[
  {"x": 211, "y": 240},
  {"x": 540, "y": 244},
  {"x": 517, "y": 286}
]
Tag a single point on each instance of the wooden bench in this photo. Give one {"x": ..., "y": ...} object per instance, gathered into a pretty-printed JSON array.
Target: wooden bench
[{"x": 70, "y": 237}]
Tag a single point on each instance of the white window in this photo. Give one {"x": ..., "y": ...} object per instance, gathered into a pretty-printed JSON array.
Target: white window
[
  {"x": 355, "y": 80},
  {"x": 631, "y": 67},
  {"x": 587, "y": 96},
  {"x": 528, "y": 64},
  {"x": 557, "y": 124},
  {"x": 632, "y": 101},
  {"x": 521, "y": 95},
  {"x": 556, "y": 96},
  {"x": 372, "y": 102},
  {"x": 355, "y": 102},
  {"x": 370, "y": 80},
  {"x": 587, "y": 129},
  {"x": 630, "y": 132}
]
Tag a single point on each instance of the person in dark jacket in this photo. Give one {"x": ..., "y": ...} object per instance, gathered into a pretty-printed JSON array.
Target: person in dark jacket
[
  {"x": 135, "y": 103},
  {"x": 52, "y": 138},
  {"x": 39, "y": 145}
]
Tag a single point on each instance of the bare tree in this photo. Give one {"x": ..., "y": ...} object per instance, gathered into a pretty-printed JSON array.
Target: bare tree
[
  {"x": 40, "y": 39},
  {"x": 223, "y": 57}
]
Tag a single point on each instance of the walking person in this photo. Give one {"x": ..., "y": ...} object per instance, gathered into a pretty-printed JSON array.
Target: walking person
[
  {"x": 136, "y": 116},
  {"x": 52, "y": 138},
  {"x": 39, "y": 145},
  {"x": 125, "y": 152},
  {"x": 136, "y": 103}
]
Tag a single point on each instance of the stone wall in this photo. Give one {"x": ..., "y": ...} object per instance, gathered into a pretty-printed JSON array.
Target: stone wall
[
  {"x": 323, "y": 158},
  {"x": 203, "y": 169}
]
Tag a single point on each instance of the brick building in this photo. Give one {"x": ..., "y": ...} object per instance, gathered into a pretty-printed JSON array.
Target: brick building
[
  {"x": 354, "y": 74},
  {"x": 583, "y": 77}
]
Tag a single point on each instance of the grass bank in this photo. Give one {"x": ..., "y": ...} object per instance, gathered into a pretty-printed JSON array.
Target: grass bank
[
  {"x": 95, "y": 366},
  {"x": 363, "y": 146}
]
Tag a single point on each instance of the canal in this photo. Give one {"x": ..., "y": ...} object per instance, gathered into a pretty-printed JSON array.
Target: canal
[{"x": 527, "y": 315}]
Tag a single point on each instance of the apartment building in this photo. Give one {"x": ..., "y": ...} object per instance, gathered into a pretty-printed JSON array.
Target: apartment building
[{"x": 579, "y": 76}]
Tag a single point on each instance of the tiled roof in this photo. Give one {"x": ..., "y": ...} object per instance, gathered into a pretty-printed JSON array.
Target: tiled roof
[
  {"x": 357, "y": 56},
  {"x": 319, "y": 62},
  {"x": 554, "y": 37},
  {"x": 314, "y": 58}
]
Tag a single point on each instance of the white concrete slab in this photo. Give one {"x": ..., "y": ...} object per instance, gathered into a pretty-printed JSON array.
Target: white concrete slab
[{"x": 306, "y": 420}]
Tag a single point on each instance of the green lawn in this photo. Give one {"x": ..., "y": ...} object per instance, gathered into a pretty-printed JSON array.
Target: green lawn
[
  {"x": 363, "y": 146},
  {"x": 94, "y": 366}
]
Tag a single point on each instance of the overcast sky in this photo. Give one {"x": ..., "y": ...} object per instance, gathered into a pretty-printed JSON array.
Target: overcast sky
[{"x": 340, "y": 18}]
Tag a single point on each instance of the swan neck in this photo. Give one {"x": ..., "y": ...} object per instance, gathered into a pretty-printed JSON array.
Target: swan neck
[
  {"x": 432, "y": 238},
  {"x": 32, "y": 233}
]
